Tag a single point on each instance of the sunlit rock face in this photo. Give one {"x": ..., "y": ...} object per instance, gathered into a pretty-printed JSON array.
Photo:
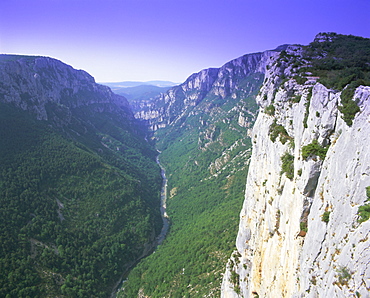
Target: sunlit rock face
[
  {"x": 223, "y": 82},
  {"x": 299, "y": 234}
]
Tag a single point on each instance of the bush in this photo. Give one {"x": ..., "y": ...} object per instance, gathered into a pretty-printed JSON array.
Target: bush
[
  {"x": 325, "y": 216},
  {"x": 314, "y": 149},
  {"x": 287, "y": 166},
  {"x": 297, "y": 98},
  {"x": 364, "y": 211},
  {"x": 303, "y": 226},
  {"x": 270, "y": 110},
  {"x": 300, "y": 80},
  {"x": 307, "y": 106},
  {"x": 349, "y": 107},
  {"x": 234, "y": 279},
  {"x": 278, "y": 130},
  {"x": 344, "y": 276}
]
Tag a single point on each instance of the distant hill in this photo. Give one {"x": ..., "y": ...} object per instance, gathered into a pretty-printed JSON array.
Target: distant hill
[
  {"x": 140, "y": 92},
  {"x": 127, "y": 84}
]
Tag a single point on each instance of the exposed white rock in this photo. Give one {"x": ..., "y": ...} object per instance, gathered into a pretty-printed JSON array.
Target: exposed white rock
[
  {"x": 274, "y": 258},
  {"x": 220, "y": 82}
]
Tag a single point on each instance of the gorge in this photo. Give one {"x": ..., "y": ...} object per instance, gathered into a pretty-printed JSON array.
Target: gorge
[
  {"x": 305, "y": 140},
  {"x": 279, "y": 137}
]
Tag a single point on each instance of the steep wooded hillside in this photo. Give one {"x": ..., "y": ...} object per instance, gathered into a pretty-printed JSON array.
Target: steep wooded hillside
[
  {"x": 309, "y": 97},
  {"x": 79, "y": 186},
  {"x": 203, "y": 136}
]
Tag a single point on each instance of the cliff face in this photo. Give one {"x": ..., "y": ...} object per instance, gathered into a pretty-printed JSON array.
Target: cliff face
[
  {"x": 202, "y": 138},
  {"x": 300, "y": 232},
  {"x": 231, "y": 80},
  {"x": 33, "y": 83}
]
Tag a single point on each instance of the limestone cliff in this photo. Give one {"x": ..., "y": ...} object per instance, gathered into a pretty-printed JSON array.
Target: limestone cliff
[
  {"x": 300, "y": 231},
  {"x": 234, "y": 79},
  {"x": 33, "y": 83}
]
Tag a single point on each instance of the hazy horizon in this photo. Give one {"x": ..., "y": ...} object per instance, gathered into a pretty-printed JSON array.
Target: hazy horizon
[{"x": 145, "y": 40}]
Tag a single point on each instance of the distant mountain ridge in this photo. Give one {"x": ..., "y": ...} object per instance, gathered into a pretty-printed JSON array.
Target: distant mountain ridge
[
  {"x": 127, "y": 84},
  {"x": 232, "y": 79}
]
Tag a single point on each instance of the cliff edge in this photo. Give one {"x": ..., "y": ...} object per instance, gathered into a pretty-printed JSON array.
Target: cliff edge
[{"x": 303, "y": 228}]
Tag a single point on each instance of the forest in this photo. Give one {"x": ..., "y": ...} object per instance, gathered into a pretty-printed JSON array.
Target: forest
[
  {"x": 79, "y": 197},
  {"x": 75, "y": 211},
  {"x": 206, "y": 157}
]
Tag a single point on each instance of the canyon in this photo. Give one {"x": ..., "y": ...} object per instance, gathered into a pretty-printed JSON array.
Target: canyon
[{"x": 268, "y": 152}]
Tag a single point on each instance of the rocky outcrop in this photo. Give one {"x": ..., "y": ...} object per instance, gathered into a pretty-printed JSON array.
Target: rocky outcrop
[
  {"x": 231, "y": 80},
  {"x": 31, "y": 83},
  {"x": 299, "y": 232}
]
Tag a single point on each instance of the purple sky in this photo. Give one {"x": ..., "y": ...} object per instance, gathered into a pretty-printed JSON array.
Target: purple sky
[{"x": 167, "y": 39}]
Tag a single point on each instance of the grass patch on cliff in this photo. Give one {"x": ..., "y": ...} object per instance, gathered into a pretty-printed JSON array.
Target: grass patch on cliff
[{"x": 303, "y": 226}]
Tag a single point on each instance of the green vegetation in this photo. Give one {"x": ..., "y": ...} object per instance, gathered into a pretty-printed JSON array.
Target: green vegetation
[
  {"x": 340, "y": 61},
  {"x": 277, "y": 130},
  {"x": 297, "y": 98},
  {"x": 314, "y": 149},
  {"x": 307, "y": 106},
  {"x": 300, "y": 79},
  {"x": 204, "y": 200},
  {"x": 234, "y": 279},
  {"x": 364, "y": 211},
  {"x": 349, "y": 107},
  {"x": 303, "y": 226},
  {"x": 73, "y": 212},
  {"x": 287, "y": 166},
  {"x": 270, "y": 110},
  {"x": 325, "y": 216},
  {"x": 343, "y": 276}
]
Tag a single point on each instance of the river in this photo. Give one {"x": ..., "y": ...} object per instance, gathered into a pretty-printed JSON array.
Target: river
[
  {"x": 163, "y": 206},
  {"x": 160, "y": 237}
]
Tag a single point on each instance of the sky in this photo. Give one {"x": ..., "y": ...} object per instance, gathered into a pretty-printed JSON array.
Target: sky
[{"x": 142, "y": 40}]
